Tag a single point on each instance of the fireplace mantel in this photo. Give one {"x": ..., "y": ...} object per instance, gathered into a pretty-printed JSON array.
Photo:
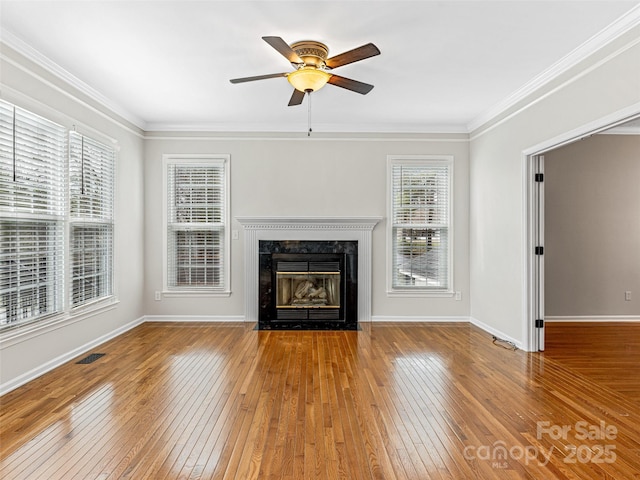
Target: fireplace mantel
[
  {"x": 307, "y": 228},
  {"x": 312, "y": 223}
]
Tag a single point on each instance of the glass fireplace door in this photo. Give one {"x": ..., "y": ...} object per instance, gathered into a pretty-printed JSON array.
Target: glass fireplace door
[
  {"x": 308, "y": 289},
  {"x": 304, "y": 288}
]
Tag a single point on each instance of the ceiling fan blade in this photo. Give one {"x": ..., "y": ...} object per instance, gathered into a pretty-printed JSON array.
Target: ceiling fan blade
[
  {"x": 355, "y": 55},
  {"x": 283, "y": 48},
  {"x": 296, "y": 98},
  {"x": 349, "y": 84},
  {"x": 258, "y": 77}
]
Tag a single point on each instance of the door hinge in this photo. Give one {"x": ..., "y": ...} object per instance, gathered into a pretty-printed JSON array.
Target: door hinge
[
  {"x": 539, "y": 251},
  {"x": 539, "y": 323},
  {"x": 539, "y": 177}
]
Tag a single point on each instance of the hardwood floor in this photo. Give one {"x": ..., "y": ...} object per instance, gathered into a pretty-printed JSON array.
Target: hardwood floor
[
  {"x": 393, "y": 401},
  {"x": 607, "y": 354}
]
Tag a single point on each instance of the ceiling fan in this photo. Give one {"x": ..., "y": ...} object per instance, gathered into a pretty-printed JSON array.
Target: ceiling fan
[{"x": 312, "y": 67}]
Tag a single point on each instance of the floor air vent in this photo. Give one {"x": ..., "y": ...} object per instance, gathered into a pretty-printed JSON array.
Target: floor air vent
[{"x": 91, "y": 358}]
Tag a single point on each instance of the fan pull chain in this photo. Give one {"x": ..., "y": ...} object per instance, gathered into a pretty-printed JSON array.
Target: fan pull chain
[{"x": 309, "y": 104}]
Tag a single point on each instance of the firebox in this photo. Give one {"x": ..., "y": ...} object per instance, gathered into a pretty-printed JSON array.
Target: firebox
[{"x": 308, "y": 285}]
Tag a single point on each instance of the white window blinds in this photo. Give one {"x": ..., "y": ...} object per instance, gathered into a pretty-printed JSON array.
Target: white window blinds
[
  {"x": 420, "y": 218},
  {"x": 32, "y": 152},
  {"x": 32, "y": 208},
  {"x": 196, "y": 229},
  {"x": 91, "y": 177}
]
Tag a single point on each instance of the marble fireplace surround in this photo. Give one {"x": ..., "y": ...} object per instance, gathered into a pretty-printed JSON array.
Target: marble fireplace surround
[{"x": 307, "y": 228}]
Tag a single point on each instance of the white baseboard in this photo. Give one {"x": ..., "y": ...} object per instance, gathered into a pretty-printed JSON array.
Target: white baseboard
[
  {"x": 241, "y": 318},
  {"x": 431, "y": 319},
  {"x": 593, "y": 318},
  {"x": 497, "y": 333},
  {"x": 194, "y": 318},
  {"x": 56, "y": 362}
]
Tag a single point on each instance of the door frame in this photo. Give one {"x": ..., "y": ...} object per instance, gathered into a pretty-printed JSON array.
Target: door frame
[{"x": 533, "y": 204}]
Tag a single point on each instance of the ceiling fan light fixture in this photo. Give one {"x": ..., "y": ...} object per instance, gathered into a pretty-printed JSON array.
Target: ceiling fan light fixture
[{"x": 308, "y": 79}]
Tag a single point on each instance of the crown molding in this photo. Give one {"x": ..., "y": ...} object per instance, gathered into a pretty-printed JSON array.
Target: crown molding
[
  {"x": 302, "y": 137},
  {"x": 619, "y": 27},
  {"x": 302, "y": 129},
  {"x": 49, "y": 65},
  {"x": 623, "y": 130}
]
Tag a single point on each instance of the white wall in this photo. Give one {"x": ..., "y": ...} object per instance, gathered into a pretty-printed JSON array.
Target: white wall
[
  {"x": 592, "y": 228},
  {"x": 606, "y": 83},
  {"x": 292, "y": 175},
  {"x": 23, "y": 356}
]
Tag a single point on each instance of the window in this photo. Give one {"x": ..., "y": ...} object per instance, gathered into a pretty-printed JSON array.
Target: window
[
  {"x": 419, "y": 228},
  {"x": 32, "y": 216},
  {"x": 91, "y": 169},
  {"x": 40, "y": 223},
  {"x": 196, "y": 223}
]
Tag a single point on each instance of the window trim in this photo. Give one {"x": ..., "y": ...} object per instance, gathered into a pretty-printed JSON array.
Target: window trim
[
  {"x": 419, "y": 160},
  {"x": 195, "y": 159}
]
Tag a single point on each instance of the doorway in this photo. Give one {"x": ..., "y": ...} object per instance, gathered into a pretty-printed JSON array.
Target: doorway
[{"x": 535, "y": 205}]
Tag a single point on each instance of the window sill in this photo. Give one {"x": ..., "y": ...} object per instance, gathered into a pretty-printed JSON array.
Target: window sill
[
  {"x": 195, "y": 294},
  {"x": 19, "y": 333},
  {"x": 92, "y": 306},
  {"x": 421, "y": 293}
]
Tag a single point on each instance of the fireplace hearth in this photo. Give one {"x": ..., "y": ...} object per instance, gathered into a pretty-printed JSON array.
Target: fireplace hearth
[{"x": 308, "y": 285}]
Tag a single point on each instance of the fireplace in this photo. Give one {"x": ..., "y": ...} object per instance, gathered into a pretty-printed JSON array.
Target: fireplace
[
  {"x": 356, "y": 229},
  {"x": 308, "y": 285}
]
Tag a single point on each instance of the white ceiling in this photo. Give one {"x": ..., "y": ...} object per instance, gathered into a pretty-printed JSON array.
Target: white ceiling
[{"x": 444, "y": 66}]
